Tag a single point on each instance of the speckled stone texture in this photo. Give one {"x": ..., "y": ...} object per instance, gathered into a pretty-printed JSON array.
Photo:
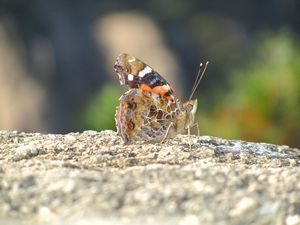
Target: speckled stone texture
[{"x": 92, "y": 178}]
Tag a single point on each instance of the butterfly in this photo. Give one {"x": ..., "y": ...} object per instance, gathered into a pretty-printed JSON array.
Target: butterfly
[{"x": 150, "y": 110}]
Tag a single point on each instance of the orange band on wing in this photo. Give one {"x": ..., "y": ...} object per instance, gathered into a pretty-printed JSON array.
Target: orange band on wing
[{"x": 160, "y": 90}]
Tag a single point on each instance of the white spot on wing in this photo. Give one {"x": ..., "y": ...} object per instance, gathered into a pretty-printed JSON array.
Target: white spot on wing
[
  {"x": 130, "y": 77},
  {"x": 131, "y": 60},
  {"x": 145, "y": 71}
]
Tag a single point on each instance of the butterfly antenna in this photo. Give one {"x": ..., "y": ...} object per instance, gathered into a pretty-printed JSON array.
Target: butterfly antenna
[{"x": 199, "y": 76}]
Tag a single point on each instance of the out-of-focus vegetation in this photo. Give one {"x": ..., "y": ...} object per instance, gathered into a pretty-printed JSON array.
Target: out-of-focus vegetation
[
  {"x": 99, "y": 112},
  {"x": 262, "y": 102}
]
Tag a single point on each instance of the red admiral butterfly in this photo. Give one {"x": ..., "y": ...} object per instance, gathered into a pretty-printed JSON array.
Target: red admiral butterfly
[{"x": 150, "y": 110}]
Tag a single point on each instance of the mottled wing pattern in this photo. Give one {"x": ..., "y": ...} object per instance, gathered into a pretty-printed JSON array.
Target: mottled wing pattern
[{"x": 144, "y": 115}]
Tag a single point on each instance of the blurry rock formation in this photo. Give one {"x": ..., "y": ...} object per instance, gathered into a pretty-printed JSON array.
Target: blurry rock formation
[{"x": 21, "y": 98}]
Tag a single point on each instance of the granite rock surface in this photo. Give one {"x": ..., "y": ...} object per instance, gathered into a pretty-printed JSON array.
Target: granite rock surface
[{"x": 92, "y": 178}]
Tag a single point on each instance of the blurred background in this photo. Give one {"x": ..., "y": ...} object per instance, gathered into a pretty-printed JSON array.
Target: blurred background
[{"x": 56, "y": 62}]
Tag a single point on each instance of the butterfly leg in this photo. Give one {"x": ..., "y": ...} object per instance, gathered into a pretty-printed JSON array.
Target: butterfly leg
[
  {"x": 197, "y": 126},
  {"x": 189, "y": 132},
  {"x": 198, "y": 131},
  {"x": 189, "y": 136},
  {"x": 167, "y": 132}
]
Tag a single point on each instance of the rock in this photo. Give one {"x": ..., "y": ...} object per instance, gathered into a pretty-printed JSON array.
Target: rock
[
  {"x": 92, "y": 178},
  {"x": 25, "y": 152}
]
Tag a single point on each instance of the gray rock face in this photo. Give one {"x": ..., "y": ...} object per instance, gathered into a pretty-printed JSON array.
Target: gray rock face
[{"x": 92, "y": 178}]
